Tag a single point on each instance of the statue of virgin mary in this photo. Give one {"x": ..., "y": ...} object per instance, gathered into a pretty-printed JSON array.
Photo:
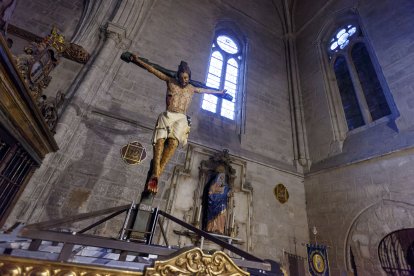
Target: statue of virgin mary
[{"x": 217, "y": 203}]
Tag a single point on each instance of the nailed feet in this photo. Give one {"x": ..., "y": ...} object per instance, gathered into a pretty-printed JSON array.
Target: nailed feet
[{"x": 152, "y": 186}]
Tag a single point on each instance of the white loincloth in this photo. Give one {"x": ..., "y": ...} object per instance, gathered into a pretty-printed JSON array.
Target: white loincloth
[{"x": 172, "y": 125}]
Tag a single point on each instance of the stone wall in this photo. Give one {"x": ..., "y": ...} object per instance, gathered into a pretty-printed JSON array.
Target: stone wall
[
  {"x": 263, "y": 225},
  {"x": 353, "y": 179},
  {"x": 115, "y": 103},
  {"x": 190, "y": 40},
  {"x": 357, "y": 205},
  {"x": 39, "y": 16},
  {"x": 379, "y": 22},
  {"x": 277, "y": 227}
]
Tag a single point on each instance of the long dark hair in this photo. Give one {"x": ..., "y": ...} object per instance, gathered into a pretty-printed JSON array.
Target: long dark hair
[{"x": 183, "y": 68}]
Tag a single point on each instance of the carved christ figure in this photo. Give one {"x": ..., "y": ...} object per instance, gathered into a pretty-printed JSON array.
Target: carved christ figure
[{"x": 172, "y": 127}]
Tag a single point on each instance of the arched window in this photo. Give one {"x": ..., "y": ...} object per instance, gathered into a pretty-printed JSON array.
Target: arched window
[
  {"x": 224, "y": 73},
  {"x": 361, "y": 92}
]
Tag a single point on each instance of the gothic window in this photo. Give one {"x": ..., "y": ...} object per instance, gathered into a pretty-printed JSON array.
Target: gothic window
[
  {"x": 361, "y": 92},
  {"x": 224, "y": 73}
]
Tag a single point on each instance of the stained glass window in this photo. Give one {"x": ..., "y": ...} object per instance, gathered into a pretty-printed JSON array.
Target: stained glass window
[
  {"x": 342, "y": 37},
  {"x": 223, "y": 73},
  {"x": 362, "y": 94}
]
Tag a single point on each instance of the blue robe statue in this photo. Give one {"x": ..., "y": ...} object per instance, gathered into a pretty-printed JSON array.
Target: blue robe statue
[{"x": 217, "y": 204}]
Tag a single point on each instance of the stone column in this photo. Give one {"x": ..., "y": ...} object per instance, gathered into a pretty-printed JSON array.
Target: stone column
[
  {"x": 358, "y": 90},
  {"x": 301, "y": 155},
  {"x": 300, "y": 148}
]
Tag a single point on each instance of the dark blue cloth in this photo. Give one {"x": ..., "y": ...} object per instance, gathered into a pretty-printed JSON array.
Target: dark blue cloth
[{"x": 217, "y": 201}]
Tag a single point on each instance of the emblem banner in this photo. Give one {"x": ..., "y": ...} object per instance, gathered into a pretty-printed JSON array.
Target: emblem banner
[{"x": 318, "y": 260}]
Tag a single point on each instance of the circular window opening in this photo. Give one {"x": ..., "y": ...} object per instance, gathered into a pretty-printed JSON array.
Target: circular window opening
[
  {"x": 227, "y": 44},
  {"x": 341, "y": 38}
]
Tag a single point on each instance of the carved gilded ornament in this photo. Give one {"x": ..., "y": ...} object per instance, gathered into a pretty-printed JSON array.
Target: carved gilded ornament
[
  {"x": 76, "y": 53},
  {"x": 12, "y": 266},
  {"x": 56, "y": 40},
  {"x": 19, "y": 110},
  {"x": 189, "y": 262},
  {"x": 39, "y": 60},
  {"x": 195, "y": 262}
]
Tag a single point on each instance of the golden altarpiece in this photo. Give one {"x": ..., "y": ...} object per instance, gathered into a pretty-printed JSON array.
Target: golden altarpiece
[
  {"x": 25, "y": 138},
  {"x": 28, "y": 118}
]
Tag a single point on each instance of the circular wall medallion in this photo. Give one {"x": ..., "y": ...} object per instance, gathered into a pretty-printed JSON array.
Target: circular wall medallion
[
  {"x": 281, "y": 193},
  {"x": 133, "y": 153},
  {"x": 318, "y": 263}
]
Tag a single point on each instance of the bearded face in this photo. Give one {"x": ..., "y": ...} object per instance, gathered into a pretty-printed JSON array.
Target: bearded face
[{"x": 184, "y": 79}]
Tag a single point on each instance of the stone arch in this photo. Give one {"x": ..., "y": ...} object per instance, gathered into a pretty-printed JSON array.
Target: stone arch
[
  {"x": 369, "y": 227},
  {"x": 232, "y": 28},
  {"x": 335, "y": 20}
]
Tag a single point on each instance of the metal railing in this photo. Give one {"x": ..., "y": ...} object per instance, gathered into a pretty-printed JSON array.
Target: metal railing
[
  {"x": 396, "y": 252},
  {"x": 41, "y": 232}
]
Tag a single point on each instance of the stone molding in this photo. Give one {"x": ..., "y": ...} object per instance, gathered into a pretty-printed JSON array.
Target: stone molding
[{"x": 118, "y": 34}]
